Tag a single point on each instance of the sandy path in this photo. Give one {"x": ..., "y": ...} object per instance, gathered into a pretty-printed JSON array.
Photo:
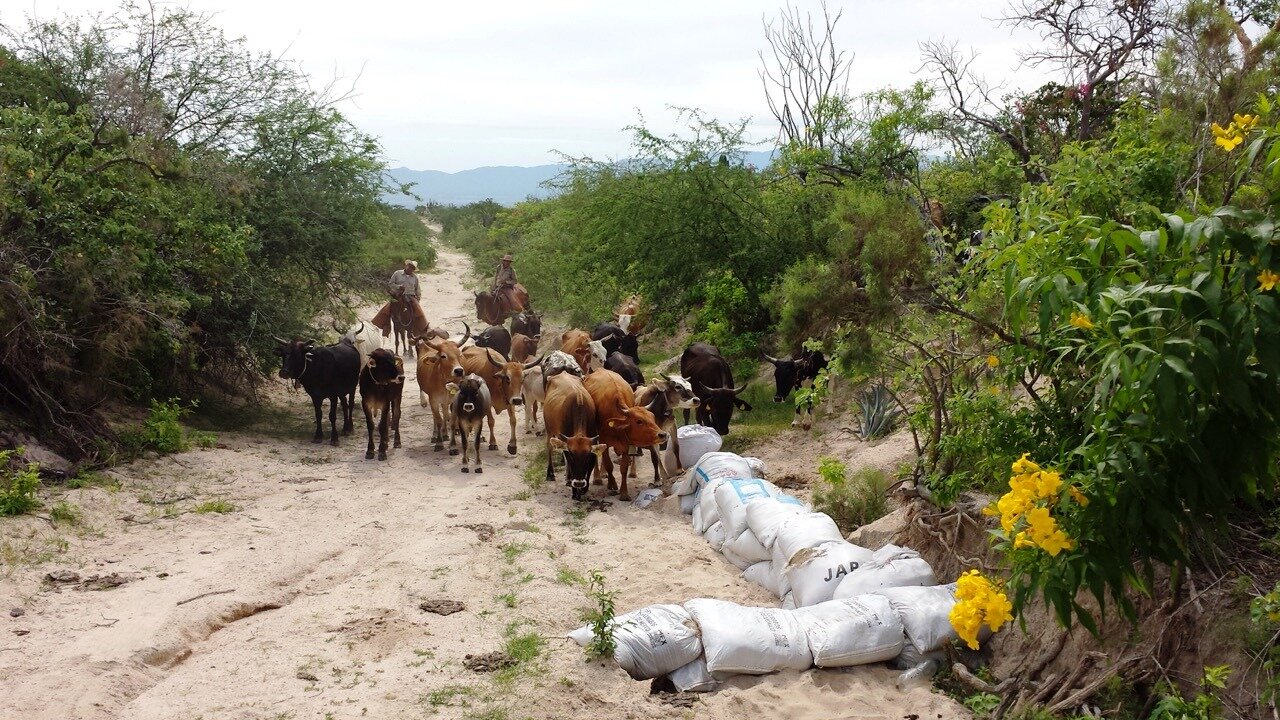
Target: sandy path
[{"x": 320, "y": 574}]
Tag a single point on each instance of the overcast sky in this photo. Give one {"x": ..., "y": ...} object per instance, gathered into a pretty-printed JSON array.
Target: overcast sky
[{"x": 455, "y": 85}]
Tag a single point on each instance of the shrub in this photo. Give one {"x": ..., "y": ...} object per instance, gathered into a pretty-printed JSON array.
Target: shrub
[
  {"x": 161, "y": 431},
  {"x": 18, "y": 485},
  {"x": 600, "y": 618},
  {"x": 850, "y": 500}
]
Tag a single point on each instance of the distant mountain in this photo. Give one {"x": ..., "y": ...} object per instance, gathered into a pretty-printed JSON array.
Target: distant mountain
[{"x": 504, "y": 184}]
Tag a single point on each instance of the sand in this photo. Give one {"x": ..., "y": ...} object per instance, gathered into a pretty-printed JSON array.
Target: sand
[{"x": 305, "y": 601}]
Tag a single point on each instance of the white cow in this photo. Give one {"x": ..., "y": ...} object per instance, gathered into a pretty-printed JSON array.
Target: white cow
[{"x": 366, "y": 338}]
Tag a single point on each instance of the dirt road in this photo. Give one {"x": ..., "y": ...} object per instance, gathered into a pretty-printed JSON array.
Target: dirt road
[{"x": 305, "y": 600}]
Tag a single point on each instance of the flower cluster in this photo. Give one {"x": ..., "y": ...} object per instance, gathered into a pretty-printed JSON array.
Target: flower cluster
[
  {"x": 978, "y": 603},
  {"x": 1081, "y": 320},
  {"x": 1024, "y": 511},
  {"x": 1234, "y": 133}
]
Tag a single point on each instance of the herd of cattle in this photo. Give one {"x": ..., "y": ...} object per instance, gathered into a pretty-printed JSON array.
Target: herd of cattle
[{"x": 594, "y": 401}]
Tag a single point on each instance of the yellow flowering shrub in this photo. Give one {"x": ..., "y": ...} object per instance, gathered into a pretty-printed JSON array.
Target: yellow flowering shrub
[
  {"x": 1025, "y": 511},
  {"x": 978, "y": 602},
  {"x": 1234, "y": 133}
]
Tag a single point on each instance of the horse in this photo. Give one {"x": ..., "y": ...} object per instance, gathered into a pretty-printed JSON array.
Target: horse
[
  {"x": 495, "y": 307},
  {"x": 407, "y": 320}
]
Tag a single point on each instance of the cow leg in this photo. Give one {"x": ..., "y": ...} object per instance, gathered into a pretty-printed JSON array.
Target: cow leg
[
  {"x": 657, "y": 465},
  {"x": 808, "y": 417},
  {"x": 612, "y": 487},
  {"x": 368, "y": 424},
  {"x": 551, "y": 468},
  {"x": 452, "y": 423},
  {"x": 334, "y": 402},
  {"x": 438, "y": 425},
  {"x": 623, "y": 494},
  {"x": 383, "y": 422},
  {"x": 511, "y": 415},
  {"x": 465, "y": 453},
  {"x": 493, "y": 436},
  {"x": 674, "y": 439},
  {"x": 395, "y": 419},
  {"x": 478, "y": 468},
  {"x": 348, "y": 413},
  {"x": 633, "y": 465},
  {"x": 686, "y": 415},
  {"x": 795, "y": 422},
  {"x": 318, "y": 404}
]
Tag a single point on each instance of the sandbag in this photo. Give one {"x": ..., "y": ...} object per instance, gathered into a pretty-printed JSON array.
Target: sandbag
[
  {"x": 698, "y": 525},
  {"x": 695, "y": 442},
  {"x": 734, "y": 558},
  {"x": 815, "y": 573},
  {"x": 651, "y": 641},
  {"x": 749, "y": 640},
  {"x": 890, "y": 566},
  {"x": 855, "y": 631},
  {"x": 694, "y": 677},
  {"x": 764, "y": 575},
  {"x": 758, "y": 468},
  {"x": 715, "y": 535},
  {"x": 805, "y": 530},
  {"x": 765, "y": 518},
  {"x": 712, "y": 466},
  {"x": 746, "y": 546},
  {"x": 925, "y": 613},
  {"x": 688, "y": 503},
  {"x": 733, "y": 496},
  {"x": 788, "y": 602}
]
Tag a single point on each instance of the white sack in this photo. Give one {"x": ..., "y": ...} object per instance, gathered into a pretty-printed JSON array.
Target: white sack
[
  {"x": 816, "y": 573},
  {"x": 652, "y": 641},
  {"x": 707, "y": 502},
  {"x": 757, "y": 467},
  {"x": 747, "y": 547},
  {"x": 695, "y": 442},
  {"x": 715, "y": 535},
  {"x": 805, "y": 530},
  {"x": 788, "y": 602},
  {"x": 855, "y": 631},
  {"x": 694, "y": 677},
  {"x": 698, "y": 525},
  {"x": 733, "y": 496},
  {"x": 766, "y": 518},
  {"x": 734, "y": 558},
  {"x": 925, "y": 613},
  {"x": 712, "y": 466},
  {"x": 890, "y": 567},
  {"x": 688, "y": 503},
  {"x": 764, "y": 575},
  {"x": 749, "y": 640}
]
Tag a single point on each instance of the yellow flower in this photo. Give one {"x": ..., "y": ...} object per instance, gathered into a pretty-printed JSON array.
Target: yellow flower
[
  {"x": 1056, "y": 542},
  {"x": 1041, "y": 523},
  {"x": 967, "y": 621},
  {"x": 1021, "y": 540},
  {"x": 1267, "y": 280},
  {"x": 1048, "y": 483},
  {"x": 995, "y": 390},
  {"x": 1024, "y": 466},
  {"x": 1222, "y": 132},
  {"x": 1245, "y": 122},
  {"x": 998, "y": 610},
  {"x": 1082, "y": 321},
  {"x": 993, "y": 361},
  {"x": 1229, "y": 142},
  {"x": 978, "y": 603},
  {"x": 1078, "y": 496}
]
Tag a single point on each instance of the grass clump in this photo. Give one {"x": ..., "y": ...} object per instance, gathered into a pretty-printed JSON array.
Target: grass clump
[
  {"x": 565, "y": 576},
  {"x": 512, "y": 550},
  {"x": 535, "y": 473},
  {"x": 214, "y": 506},
  {"x": 451, "y": 696},
  {"x": 508, "y": 599},
  {"x": 91, "y": 478},
  {"x": 19, "y": 481},
  {"x": 600, "y": 618},
  {"x": 162, "y": 431},
  {"x": 64, "y": 511},
  {"x": 853, "y": 499}
]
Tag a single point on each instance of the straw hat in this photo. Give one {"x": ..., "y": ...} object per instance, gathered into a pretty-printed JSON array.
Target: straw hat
[
  {"x": 507, "y": 258},
  {"x": 412, "y": 263}
]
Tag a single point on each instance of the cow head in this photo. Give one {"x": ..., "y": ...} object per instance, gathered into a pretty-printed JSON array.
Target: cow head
[
  {"x": 784, "y": 376},
  {"x": 597, "y": 355},
  {"x": 678, "y": 391},
  {"x": 444, "y": 354},
  {"x": 580, "y": 457},
  {"x": 720, "y": 403},
  {"x": 509, "y": 377},
  {"x": 295, "y": 355},
  {"x": 639, "y": 426},
  {"x": 629, "y": 344},
  {"x": 468, "y": 394},
  {"x": 384, "y": 367}
]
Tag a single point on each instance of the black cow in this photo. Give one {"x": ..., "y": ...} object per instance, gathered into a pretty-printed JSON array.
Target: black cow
[
  {"x": 471, "y": 405},
  {"x": 791, "y": 373},
  {"x": 527, "y": 323},
  {"x": 626, "y": 367},
  {"x": 615, "y": 339},
  {"x": 712, "y": 381},
  {"x": 496, "y": 337},
  {"x": 327, "y": 372},
  {"x": 381, "y": 387}
]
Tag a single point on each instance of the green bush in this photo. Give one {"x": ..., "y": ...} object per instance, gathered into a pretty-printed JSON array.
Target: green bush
[
  {"x": 18, "y": 485},
  {"x": 851, "y": 500}
]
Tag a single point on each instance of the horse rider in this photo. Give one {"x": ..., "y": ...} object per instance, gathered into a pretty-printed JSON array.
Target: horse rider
[
  {"x": 504, "y": 281},
  {"x": 406, "y": 281}
]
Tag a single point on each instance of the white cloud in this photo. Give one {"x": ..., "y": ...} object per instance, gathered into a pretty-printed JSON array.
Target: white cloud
[{"x": 454, "y": 85}]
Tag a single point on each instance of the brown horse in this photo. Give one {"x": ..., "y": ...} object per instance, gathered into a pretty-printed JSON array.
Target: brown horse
[
  {"x": 495, "y": 307},
  {"x": 407, "y": 321}
]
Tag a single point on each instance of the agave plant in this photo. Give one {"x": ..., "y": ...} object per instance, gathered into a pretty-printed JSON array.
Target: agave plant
[{"x": 879, "y": 412}]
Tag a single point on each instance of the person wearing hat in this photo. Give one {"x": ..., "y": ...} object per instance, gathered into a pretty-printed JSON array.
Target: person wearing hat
[
  {"x": 506, "y": 275},
  {"x": 409, "y": 280}
]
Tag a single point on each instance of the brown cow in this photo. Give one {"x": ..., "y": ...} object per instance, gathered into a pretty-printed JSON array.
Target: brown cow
[
  {"x": 570, "y": 415},
  {"x": 506, "y": 386},
  {"x": 622, "y": 423},
  {"x": 578, "y": 344},
  {"x": 523, "y": 347},
  {"x": 439, "y": 363}
]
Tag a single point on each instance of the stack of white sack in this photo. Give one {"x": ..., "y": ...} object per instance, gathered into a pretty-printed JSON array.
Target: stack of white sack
[
  {"x": 710, "y": 468},
  {"x": 651, "y": 641},
  {"x": 890, "y": 567},
  {"x": 925, "y": 613},
  {"x": 732, "y": 498},
  {"x": 694, "y": 441},
  {"x": 739, "y": 640},
  {"x": 815, "y": 573}
]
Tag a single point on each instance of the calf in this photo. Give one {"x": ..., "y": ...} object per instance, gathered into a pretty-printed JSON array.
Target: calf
[
  {"x": 496, "y": 337},
  {"x": 662, "y": 396},
  {"x": 626, "y": 367},
  {"x": 615, "y": 339},
  {"x": 381, "y": 387},
  {"x": 621, "y": 422},
  {"x": 789, "y": 374},
  {"x": 570, "y": 414},
  {"x": 523, "y": 347},
  {"x": 439, "y": 362},
  {"x": 505, "y": 380},
  {"x": 327, "y": 372},
  {"x": 469, "y": 409},
  {"x": 712, "y": 381}
]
